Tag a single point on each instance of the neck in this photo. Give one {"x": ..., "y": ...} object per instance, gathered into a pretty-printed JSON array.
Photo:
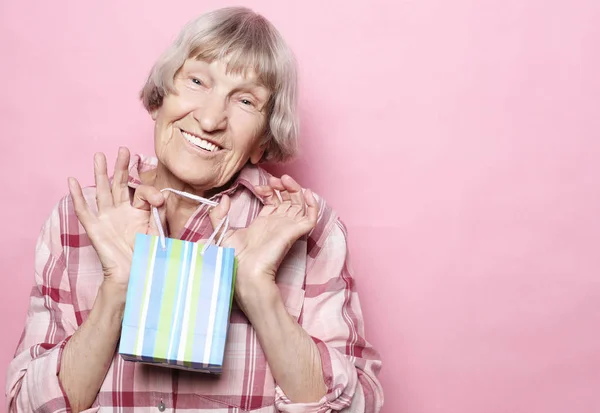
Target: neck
[
  {"x": 178, "y": 209},
  {"x": 161, "y": 178}
]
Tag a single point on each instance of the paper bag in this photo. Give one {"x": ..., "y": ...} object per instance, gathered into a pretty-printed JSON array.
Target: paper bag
[{"x": 178, "y": 304}]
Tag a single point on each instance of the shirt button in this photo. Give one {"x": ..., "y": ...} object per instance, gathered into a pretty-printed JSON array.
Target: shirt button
[{"x": 161, "y": 407}]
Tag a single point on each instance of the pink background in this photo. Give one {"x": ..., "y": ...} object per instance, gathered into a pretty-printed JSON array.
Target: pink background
[{"x": 459, "y": 140}]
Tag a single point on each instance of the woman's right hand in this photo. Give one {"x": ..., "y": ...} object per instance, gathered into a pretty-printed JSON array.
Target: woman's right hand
[{"x": 113, "y": 229}]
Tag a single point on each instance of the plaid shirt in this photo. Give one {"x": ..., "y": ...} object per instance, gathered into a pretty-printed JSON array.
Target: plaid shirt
[{"x": 316, "y": 284}]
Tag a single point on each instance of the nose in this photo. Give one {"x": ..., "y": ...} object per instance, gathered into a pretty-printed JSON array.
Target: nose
[{"x": 212, "y": 115}]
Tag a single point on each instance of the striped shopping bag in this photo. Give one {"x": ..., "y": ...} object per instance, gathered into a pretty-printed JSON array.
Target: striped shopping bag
[{"x": 178, "y": 302}]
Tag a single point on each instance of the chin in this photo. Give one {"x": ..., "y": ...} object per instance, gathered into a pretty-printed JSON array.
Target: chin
[
  {"x": 195, "y": 171},
  {"x": 196, "y": 177}
]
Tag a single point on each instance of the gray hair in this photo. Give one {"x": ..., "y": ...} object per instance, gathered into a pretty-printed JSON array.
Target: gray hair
[{"x": 249, "y": 42}]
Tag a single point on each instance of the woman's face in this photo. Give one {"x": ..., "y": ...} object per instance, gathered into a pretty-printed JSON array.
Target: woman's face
[{"x": 209, "y": 129}]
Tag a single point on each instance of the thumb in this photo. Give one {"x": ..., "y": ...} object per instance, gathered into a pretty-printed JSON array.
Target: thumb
[
  {"x": 220, "y": 211},
  {"x": 146, "y": 197}
]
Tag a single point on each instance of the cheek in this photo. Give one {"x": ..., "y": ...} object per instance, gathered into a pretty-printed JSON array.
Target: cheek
[
  {"x": 163, "y": 136},
  {"x": 174, "y": 108},
  {"x": 159, "y": 132},
  {"x": 259, "y": 125},
  {"x": 252, "y": 129}
]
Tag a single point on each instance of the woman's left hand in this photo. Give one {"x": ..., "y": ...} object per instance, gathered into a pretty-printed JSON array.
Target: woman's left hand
[{"x": 261, "y": 246}]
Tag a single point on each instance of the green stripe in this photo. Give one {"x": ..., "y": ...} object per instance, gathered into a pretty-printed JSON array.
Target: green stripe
[
  {"x": 141, "y": 331},
  {"x": 167, "y": 306},
  {"x": 235, "y": 265},
  {"x": 193, "y": 308}
]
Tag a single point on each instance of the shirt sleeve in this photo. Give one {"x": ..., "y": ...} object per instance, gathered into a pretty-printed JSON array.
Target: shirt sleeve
[
  {"x": 333, "y": 317},
  {"x": 32, "y": 382}
]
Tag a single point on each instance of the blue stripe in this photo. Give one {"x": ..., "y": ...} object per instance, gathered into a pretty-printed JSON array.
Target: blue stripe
[
  {"x": 203, "y": 311},
  {"x": 220, "y": 333},
  {"x": 160, "y": 273},
  {"x": 149, "y": 340},
  {"x": 127, "y": 344},
  {"x": 182, "y": 286},
  {"x": 135, "y": 290}
]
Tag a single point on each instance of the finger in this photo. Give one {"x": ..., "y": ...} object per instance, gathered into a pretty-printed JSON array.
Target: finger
[
  {"x": 295, "y": 211},
  {"x": 268, "y": 195},
  {"x": 147, "y": 196},
  {"x": 219, "y": 212},
  {"x": 280, "y": 190},
  {"x": 294, "y": 190},
  {"x": 82, "y": 209},
  {"x": 120, "y": 188},
  {"x": 312, "y": 207},
  {"x": 103, "y": 192}
]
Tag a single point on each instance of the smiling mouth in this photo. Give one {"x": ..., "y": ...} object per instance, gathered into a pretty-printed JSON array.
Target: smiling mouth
[{"x": 199, "y": 142}]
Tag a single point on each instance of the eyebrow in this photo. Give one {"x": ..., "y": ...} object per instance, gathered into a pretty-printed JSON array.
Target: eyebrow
[
  {"x": 252, "y": 84},
  {"x": 249, "y": 86}
]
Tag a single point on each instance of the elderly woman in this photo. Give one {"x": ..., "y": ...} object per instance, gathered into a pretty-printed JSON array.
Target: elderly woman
[{"x": 223, "y": 99}]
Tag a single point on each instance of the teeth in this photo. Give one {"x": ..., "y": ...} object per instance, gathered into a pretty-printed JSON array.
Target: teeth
[{"x": 199, "y": 142}]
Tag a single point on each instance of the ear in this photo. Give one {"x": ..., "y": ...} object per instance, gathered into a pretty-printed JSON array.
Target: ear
[
  {"x": 257, "y": 154},
  {"x": 154, "y": 114}
]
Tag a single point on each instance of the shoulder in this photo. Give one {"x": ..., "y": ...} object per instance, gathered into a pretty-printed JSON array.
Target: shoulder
[
  {"x": 327, "y": 245},
  {"x": 327, "y": 224},
  {"x": 327, "y": 249}
]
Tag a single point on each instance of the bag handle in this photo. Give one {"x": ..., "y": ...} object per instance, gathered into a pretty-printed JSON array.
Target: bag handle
[{"x": 223, "y": 224}]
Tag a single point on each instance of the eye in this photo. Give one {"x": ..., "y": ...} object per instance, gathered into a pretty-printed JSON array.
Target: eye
[
  {"x": 247, "y": 102},
  {"x": 196, "y": 81}
]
